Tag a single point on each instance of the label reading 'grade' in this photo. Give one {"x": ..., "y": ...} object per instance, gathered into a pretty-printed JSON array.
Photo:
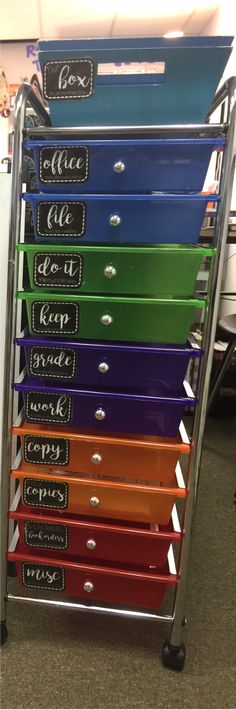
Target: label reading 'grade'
[
  {"x": 59, "y": 317},
  {"x": 60, "y": 269},
  {"x": 61, "y": 219},
  {"x": 46, "y": 450},
  {"x": 52, "y": 362},
  {"x": 46, "y": 535},
  {"x": 68, "y": 79},
  {"x": 37, "y": 576},
  {"x": 63, "y": 163},
  {"x": 48, "y": 407},
  {"x": 45, "y": 494}
]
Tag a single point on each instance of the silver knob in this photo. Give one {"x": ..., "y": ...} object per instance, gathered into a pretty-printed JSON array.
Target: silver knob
[
  {"x": 88, "y": 587},
  {"x": 100, "y": 414},
  {"x": 103, "y": 367},
  {"x": 96, "y": 458},
  {"x": 91, "y": 544},
  {"x": 94, "y": 501},
  {"x": 109, "y": 271},
  {"x": 115, "y": 220},
  {"x": 119, "y": 167},
  {"x": 106, "y": 319}
]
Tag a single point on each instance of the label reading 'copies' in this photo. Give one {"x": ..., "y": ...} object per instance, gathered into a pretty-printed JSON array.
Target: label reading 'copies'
[
  {"x": 48, "y": 407},
  {"x": 59, "y": 317},
  {"x": 46, "y": 450},
  {"x": 45, "y": 494},
  {"x": 63, "y": 163},
  {"x": 61, "y": 219},
  {"x": 70, "y": 79},
  {"x": 60, "y": 269},
  {"x": 46, "y": 535},
  {"x": 37, "y": 576},
  {"x": 52, "y": 362}
]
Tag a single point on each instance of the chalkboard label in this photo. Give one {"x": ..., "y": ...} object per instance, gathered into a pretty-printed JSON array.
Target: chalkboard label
[
  {"x": 63, "y": 163},
  {"x": 48, "y": 407},
  {"x": 68, "y": 79},
  {"x": 46, "y": 450},
  {"x": 59, "y": 317},
  {"x": 37, "y": 576},
  {"x": 45, "y": 494},
  {"x": 52, "y": 362},
  {"x": 46, "y": 535},
  {"x": 61, "y": 219},
  {"x": 60, "y": 269}
]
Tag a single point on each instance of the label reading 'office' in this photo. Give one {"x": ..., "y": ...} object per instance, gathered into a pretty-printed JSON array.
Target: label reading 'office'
[
  {"x": 68, "y": 79},
  {"x": 37, "y": 576},
  {"x": 52, "y": 362},
  {"x": 59, "y": 317},
  {"x": 45, "y": 494},
  {"x": 46, "y": 450},
  {"x": 48, "y": 407},
  {"x": 61, "y": 219},
  {"x": 60, "y": 269},
  {"x": 46, "y": 535},
  {"x": 63, "y": 163}
]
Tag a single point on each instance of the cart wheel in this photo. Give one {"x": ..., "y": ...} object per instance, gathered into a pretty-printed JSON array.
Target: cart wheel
[
  {"x": 173, "y": 656},
  {"x": 4, "y": 632}
]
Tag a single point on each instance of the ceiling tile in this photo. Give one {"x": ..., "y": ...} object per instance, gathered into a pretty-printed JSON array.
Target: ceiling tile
[
  {"x": 19, "y": 19},
  {"x": 86, "y": 18}
]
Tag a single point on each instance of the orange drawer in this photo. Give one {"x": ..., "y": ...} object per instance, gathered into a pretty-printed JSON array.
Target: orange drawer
[
  {"x": 145, "y": 458},
  {"x": 98, "y": 497}
]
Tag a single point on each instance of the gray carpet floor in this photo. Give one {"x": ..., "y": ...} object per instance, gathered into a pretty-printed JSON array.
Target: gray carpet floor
[{"x": 56, "y": 659}]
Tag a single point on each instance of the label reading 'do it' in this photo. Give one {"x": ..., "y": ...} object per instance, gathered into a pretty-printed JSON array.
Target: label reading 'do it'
[
  {"x": 63, "y": 163},
  {"x": 45, "y": 494},
  {"x": 61, "y": 219},
  {"x": 68, "y": 79},
  {"x": 59, "y": 317},
  {"x": 52, "y": 362},
  {"x": 46, "y": 450},
  {"x": 48, "y": 407},
  {"x": 58, "y": 269},
  {"x": 37, "y": 576},
  {"x": 46, "y": 535}
]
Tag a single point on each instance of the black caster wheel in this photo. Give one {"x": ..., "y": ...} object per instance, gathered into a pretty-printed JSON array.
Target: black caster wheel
[
  {"x": 4, "y": 632},
  {"x": 173, "y": 656}
]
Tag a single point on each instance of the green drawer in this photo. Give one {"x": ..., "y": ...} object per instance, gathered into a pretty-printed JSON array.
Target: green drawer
[
  {"x": 155, "y": 271},
  {"x": 103, "y": 318}
]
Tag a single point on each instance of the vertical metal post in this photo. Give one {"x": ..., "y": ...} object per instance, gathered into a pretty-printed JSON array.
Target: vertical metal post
[{"x": 210, "y": 324}]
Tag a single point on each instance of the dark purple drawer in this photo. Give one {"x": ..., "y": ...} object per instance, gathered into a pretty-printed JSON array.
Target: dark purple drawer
[
  {"x": 104, "y": 411},
  {"x": 108, "y": 365}
]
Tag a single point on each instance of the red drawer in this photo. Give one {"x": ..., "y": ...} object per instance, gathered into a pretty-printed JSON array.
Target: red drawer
[
  {"x": 92, "y": 582},
  {"x": 124, "y": 542}
]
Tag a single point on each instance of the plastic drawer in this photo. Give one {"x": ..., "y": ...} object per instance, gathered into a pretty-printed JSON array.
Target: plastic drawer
[
  {"x": 85, "y": 84},
  {"x": 147, "y": 458},
  {"x": 164, "y": 271},
  {"x": 111, "y": 319},
  {"x": 172, "y": 164},
  {"x": 118, "y": 219}
]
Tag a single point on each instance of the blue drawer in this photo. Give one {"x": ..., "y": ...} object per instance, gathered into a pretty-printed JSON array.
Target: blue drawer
[
  {"x": 116, "y": 219},
  {"x": 85, "y": 84},
  {"x": 116, "y": 166}
]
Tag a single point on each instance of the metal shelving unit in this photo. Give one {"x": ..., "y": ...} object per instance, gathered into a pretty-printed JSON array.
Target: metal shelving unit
[{"x": 174, "y": 650}]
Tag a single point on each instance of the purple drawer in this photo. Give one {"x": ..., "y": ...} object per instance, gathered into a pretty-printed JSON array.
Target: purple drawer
[
  {"x": 108, "y": 365},
  {"x": 104, "y": 411}
]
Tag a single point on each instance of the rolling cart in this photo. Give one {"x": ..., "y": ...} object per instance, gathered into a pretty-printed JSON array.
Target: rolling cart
[{"x": 173, "y": 655}]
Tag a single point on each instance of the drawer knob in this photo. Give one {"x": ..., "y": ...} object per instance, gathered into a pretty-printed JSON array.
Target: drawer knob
[
  {"x": 91, "y": 544},
  {"x": 96, "y": 458},
  {"x": 115, "y": 220},
  {"x": 94, "y": 501},
  {"x": 103, "y": 367},
  {"x": 100, "y": 414},
  {"x": 109, "y": 271},
  {"x": 119, "y": 167},
  {"x": 88, "y": 587},
  {"x": 106, "y": 319}
]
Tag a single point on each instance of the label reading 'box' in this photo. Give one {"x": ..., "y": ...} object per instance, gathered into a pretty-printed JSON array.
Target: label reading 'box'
[{"x": 68, "y": 79}]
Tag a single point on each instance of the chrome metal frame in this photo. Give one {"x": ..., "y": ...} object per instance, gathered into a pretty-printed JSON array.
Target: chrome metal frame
[{"x": 25, "y": 94}]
